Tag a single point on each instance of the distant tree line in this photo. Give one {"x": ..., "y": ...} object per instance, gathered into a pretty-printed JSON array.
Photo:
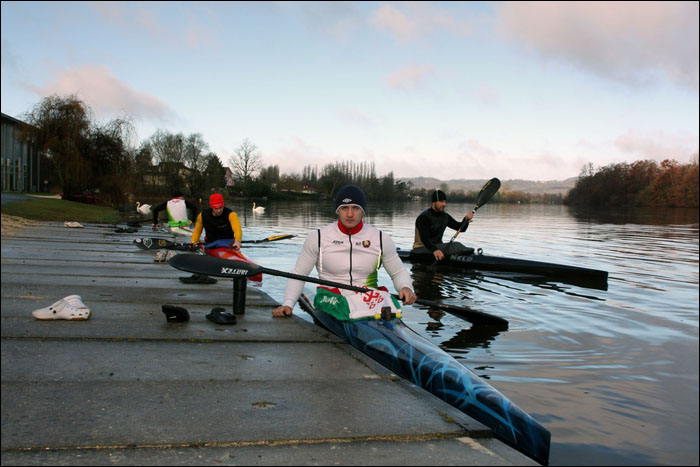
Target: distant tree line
[
  {"x": 504, "y": 195},
  {"x": 641, "y": 183},
  {"x": 331, "y": 177}
]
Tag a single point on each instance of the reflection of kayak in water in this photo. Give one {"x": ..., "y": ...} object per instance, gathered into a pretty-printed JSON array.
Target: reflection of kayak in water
[
  {"x": 401, "y": 350},
  {"x": 217, "y": 250}
]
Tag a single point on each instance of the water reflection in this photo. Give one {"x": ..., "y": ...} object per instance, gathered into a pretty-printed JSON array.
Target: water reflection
[
  {"x": 434, "y": 286},
  {"x": 475, "y": 336},
  {"x": 642, "y": 216}
]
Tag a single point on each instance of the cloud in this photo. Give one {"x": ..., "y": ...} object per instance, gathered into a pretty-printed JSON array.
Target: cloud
[
  {"x": 411, "y": 77},
  {"x": 338, "y": 20},
  {"x": 182, "y": 27},
  {"x": 633, "y": 42},
  {"x": 408, "y": 21},
  {"x": 354, "y": 116},
  {"x": 487, "y": 95},
  {"x": 395, "y": 21},
  {"x": 105, "y": 93},
  {"x": 657, "y": 145},
  {"x": 475, "y": 159}
]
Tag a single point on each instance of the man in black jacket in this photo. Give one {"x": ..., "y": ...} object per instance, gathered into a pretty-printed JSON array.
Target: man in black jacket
[{"x": 430, "y": 226}]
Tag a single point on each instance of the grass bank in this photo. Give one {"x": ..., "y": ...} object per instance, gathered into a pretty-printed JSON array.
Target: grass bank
[{"x": 61, "y": 210}]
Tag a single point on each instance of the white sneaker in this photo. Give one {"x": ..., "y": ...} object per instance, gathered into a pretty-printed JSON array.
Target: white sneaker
[
  {"x": 170, "y": 254},
  {"x": 160, "y": 256},
  {"x": 70, "y": 307}
]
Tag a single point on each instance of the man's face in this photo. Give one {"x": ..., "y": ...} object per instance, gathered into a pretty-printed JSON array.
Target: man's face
[
  {"x": 350, "y": 216},
  {"x": 218, "y": 211},
  {"x": 439, "y": 206}
]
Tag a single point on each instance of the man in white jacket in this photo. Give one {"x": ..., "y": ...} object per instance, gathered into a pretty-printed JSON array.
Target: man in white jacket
[{"x": 349, "y": 252}]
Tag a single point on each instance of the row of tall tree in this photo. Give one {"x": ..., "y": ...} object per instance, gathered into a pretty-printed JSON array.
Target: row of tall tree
[
  {"x": 641, "y": 183},
  {"x": 328, "y": 179}
]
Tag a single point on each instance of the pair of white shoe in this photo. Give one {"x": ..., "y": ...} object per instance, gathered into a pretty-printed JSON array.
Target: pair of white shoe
[
  {"x": 163, "y": 256},
  {"x": 70, "y": 307}
]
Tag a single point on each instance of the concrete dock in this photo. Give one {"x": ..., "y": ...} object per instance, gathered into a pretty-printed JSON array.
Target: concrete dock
[{"x": 127, "y": 387}]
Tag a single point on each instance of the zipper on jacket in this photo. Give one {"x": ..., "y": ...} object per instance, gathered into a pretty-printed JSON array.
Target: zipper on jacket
[{"x": 350, "y": 240}]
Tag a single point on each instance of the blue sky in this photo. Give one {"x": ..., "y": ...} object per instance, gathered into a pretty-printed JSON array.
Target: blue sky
[{"x": 531, "y": 90}]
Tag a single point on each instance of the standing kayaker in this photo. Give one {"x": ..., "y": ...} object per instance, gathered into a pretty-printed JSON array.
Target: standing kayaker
[
  {"x": 349, "y": 252},
  {"x": 176, "y": 209},
  {"x": 430, "y": 226}
]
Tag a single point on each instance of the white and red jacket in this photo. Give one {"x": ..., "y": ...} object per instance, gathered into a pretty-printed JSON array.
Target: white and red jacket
[{"x": 349, "y": 257}]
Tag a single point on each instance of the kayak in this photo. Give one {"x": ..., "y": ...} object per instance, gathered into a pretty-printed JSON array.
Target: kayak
[
  {"x": 401, "y": 350},
  {"x": 230, "y": 253},
  {"x": 592, "y": 278}
]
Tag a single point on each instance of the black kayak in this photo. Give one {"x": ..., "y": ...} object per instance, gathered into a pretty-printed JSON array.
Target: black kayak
[
  {"x": 591, "y": 278},
  {"x": 401, "y": 350}
]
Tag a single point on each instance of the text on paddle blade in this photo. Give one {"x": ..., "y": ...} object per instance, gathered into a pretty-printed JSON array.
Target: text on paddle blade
[{"x": 234, "y": 271}]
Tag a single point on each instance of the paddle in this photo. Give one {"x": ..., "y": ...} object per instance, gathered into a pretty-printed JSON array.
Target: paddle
[
  {"x": 158, "y": 243},
  {"x": 270, "y": 239},
  {"x": 220, "y": 267},
  {"x": 486, "y": 193}
]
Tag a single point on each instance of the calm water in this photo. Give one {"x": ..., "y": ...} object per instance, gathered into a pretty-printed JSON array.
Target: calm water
[{"x": 613, "y": 374}]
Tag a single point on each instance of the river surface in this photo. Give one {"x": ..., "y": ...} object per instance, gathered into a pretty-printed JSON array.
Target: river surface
[{"x": 613, "y": 374}]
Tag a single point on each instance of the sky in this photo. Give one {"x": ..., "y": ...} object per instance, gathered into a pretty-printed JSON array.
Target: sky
[{"x": 474, "y": 90}]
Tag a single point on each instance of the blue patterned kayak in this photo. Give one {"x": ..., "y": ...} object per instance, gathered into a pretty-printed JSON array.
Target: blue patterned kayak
[{"x": 401, "y": 350}]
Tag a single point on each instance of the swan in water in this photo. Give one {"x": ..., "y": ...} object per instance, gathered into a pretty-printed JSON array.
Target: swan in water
[
  {"x": 143, "y": 208},
  {"x": 258, "y": 209}
]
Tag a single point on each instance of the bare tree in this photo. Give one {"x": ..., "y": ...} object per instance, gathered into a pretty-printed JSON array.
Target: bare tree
[
  {"x": 246, "y": 161},
  {"x": 196, "y": 152},
  {"x": 168, "y": 151}
]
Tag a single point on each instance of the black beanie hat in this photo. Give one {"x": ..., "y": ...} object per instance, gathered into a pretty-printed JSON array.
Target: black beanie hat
[
  {"x": 350, "y": 194},
  {"x": 438, "y": 195}
]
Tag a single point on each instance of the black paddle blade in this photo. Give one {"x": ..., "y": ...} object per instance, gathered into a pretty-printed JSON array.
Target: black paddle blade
[
  {"x": 213, "y": 266},
  {"x": 487, "y": 191}
]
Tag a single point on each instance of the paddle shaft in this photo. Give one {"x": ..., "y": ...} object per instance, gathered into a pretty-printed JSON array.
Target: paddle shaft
[
  {"x": 464, "y": 221},
  {"x": 170, "y": 245},
  {"x": 475, "y": 317}
]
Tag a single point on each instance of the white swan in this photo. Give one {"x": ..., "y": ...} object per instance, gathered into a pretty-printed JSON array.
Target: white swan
[
  {"x": 259, "y": 209},
  {"x": 144, "y": 209}
]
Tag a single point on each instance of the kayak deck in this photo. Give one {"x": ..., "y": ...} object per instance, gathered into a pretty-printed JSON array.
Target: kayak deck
[
  {"x": 592, "y": 278},
  {"x": 397, "y": 347}
]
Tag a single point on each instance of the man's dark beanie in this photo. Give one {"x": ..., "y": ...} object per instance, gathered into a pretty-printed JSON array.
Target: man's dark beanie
[
  {"x": 350, "y": 194},
  {"x": 438, "y": 195}
]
